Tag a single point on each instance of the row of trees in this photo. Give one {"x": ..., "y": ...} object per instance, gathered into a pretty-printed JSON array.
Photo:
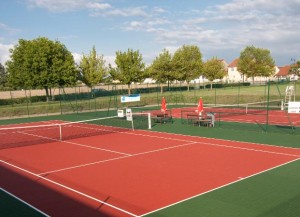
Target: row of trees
[
  {"x": 3, "y": 76},
  {"x": 44, "y": 63}
]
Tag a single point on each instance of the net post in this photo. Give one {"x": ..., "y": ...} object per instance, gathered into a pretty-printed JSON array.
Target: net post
[
  {"x": 149, "y": 121},
  {"x": 132, "y": 125},
  {"x": 60, "y": 132}
]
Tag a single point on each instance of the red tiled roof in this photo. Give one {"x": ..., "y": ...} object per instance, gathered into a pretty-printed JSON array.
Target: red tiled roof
[
  {"x": 233, "y": 63},
  {"x": 283, "y": 71}
]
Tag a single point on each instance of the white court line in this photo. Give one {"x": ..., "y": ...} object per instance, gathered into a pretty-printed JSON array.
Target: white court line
[
  {"x": 167, "y": 148},
  {"x": 223, "y": 186},
  {"x": 70, "y": 189},
  {"x": 22, "y": 201},
  {"x": 199, "y": 137},
  {"x": 112, "y": 159},
  {"x": 57, "y": 140},
  {"x": 222, "y": 145},
  {"x": 92, "y": 147},
  {"x": 81, "y": 165},
  {"x": 160, "y": 137},
  {"x": 249, "y": 149},
  {"x": 23, "y": 125},
  {"x": 169, "y": 138},
  {"x": 78, "y": 144}
]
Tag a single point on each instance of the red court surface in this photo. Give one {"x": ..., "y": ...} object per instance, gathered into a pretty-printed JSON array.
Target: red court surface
[
  {"x": 130, "y": 173},
  {"x": 275, "y": 117}
]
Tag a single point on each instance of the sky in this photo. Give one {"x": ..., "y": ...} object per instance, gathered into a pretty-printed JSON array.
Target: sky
[{"x": 220, "y": 28}]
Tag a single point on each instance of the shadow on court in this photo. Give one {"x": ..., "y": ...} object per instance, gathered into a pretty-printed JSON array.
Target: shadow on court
[{"x": 48, "y": 200}]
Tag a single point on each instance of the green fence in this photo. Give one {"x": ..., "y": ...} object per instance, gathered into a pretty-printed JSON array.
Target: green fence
[
  {"x": 89, "y": 101},
  {"x": 17, "y": 103}
]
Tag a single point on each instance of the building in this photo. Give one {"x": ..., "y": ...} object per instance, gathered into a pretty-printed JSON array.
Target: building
[
  {"x": 234, "y": 76},
  {"x": 202, "y": 78},
  {"x": 284, "y": 74}
]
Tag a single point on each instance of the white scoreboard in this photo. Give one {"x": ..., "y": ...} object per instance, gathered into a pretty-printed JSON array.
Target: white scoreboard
[{"x": 294, "y": 107}]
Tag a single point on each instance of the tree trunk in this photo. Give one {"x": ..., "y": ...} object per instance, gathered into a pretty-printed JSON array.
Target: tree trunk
[
  {"x": 47, "y": 93},
  {"x": 129, "y": 90},
  {"x": 51, "y": 94},
  {"x": 211, "y": 84},
  {"x": 161, "y": 88},
  {"x": 188, "y": 86}
]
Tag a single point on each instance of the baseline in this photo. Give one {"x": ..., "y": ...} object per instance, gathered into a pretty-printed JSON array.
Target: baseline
[{"x": 68, "y": 188}]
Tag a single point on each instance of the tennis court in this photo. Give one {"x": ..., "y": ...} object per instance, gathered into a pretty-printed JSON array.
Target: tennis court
[
  {"x": 117, "y": 171},
  {"x": 246, "y": 114}
]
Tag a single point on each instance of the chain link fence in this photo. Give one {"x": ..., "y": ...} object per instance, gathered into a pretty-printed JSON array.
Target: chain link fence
[{"x": 88, "y": 101}]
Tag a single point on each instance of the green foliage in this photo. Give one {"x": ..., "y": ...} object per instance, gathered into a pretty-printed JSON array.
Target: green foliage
[
  {"x": 213, "y": 69},
  {"x": 113, "y": 74},
  {"x": 41, "y": 63},
  {"x": 256, "y": 62},
  {"x": 187, "y": 63},
  {"x": 161, "y": 68},
  {"x": 295, "y": 68},
  {"x": 130, "y": 67},
  {"x": 93, "y": 70},
  {"x": 3, "y": 76}
]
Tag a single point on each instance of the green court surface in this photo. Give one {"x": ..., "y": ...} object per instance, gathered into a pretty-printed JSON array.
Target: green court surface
[
  {"x": 12, "y": 206},
  {"x": 274, "y": 193}
]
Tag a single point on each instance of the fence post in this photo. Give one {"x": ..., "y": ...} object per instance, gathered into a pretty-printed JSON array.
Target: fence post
[
  {"x": 215, "y": 95},
  {"x": 27, "y": 103},
  {"x": 11, "y": 98},
  {"x": 238, "y": 98},
  {"x": 59, "y": 89},
  {"x": 76, "y": 101},
  {"x": 268, "y": 104}
]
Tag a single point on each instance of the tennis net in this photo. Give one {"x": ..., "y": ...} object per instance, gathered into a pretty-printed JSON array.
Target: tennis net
[
  {"x": 246, "y": 108},
  {"x": 19, "y": 136},
  {"x": 228, "y": 110}
]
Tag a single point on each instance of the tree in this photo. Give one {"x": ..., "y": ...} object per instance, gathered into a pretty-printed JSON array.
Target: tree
[
  {"x": 295, "y": 68},
  {"x": 161, "y": 68},
  {"x": 130, "y": 67},
  {"x": 213, "y": 69},
  {"x": 41, "y": 63},
  {"x": 187, "y": 63},
  {"x": 256, "y": 62},
  {"x": 3, "y": 76},
  {"x": 92, "y": 69}
]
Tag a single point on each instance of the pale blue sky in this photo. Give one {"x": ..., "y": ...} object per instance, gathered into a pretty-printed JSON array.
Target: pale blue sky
[{"x": 220, "y": 28}]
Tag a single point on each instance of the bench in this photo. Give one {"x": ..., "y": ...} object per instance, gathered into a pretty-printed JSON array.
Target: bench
[
  {"x": 160, "y": 117},
  {"x": 200, "y": 120}
]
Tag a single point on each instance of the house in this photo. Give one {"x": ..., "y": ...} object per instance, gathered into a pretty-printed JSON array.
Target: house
[
  {"x": 225, "y": 64},
  {"x": 234, "y": 76},
  {"x": 284, "y": 73},
  {"x": 203, "y": 79}
]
